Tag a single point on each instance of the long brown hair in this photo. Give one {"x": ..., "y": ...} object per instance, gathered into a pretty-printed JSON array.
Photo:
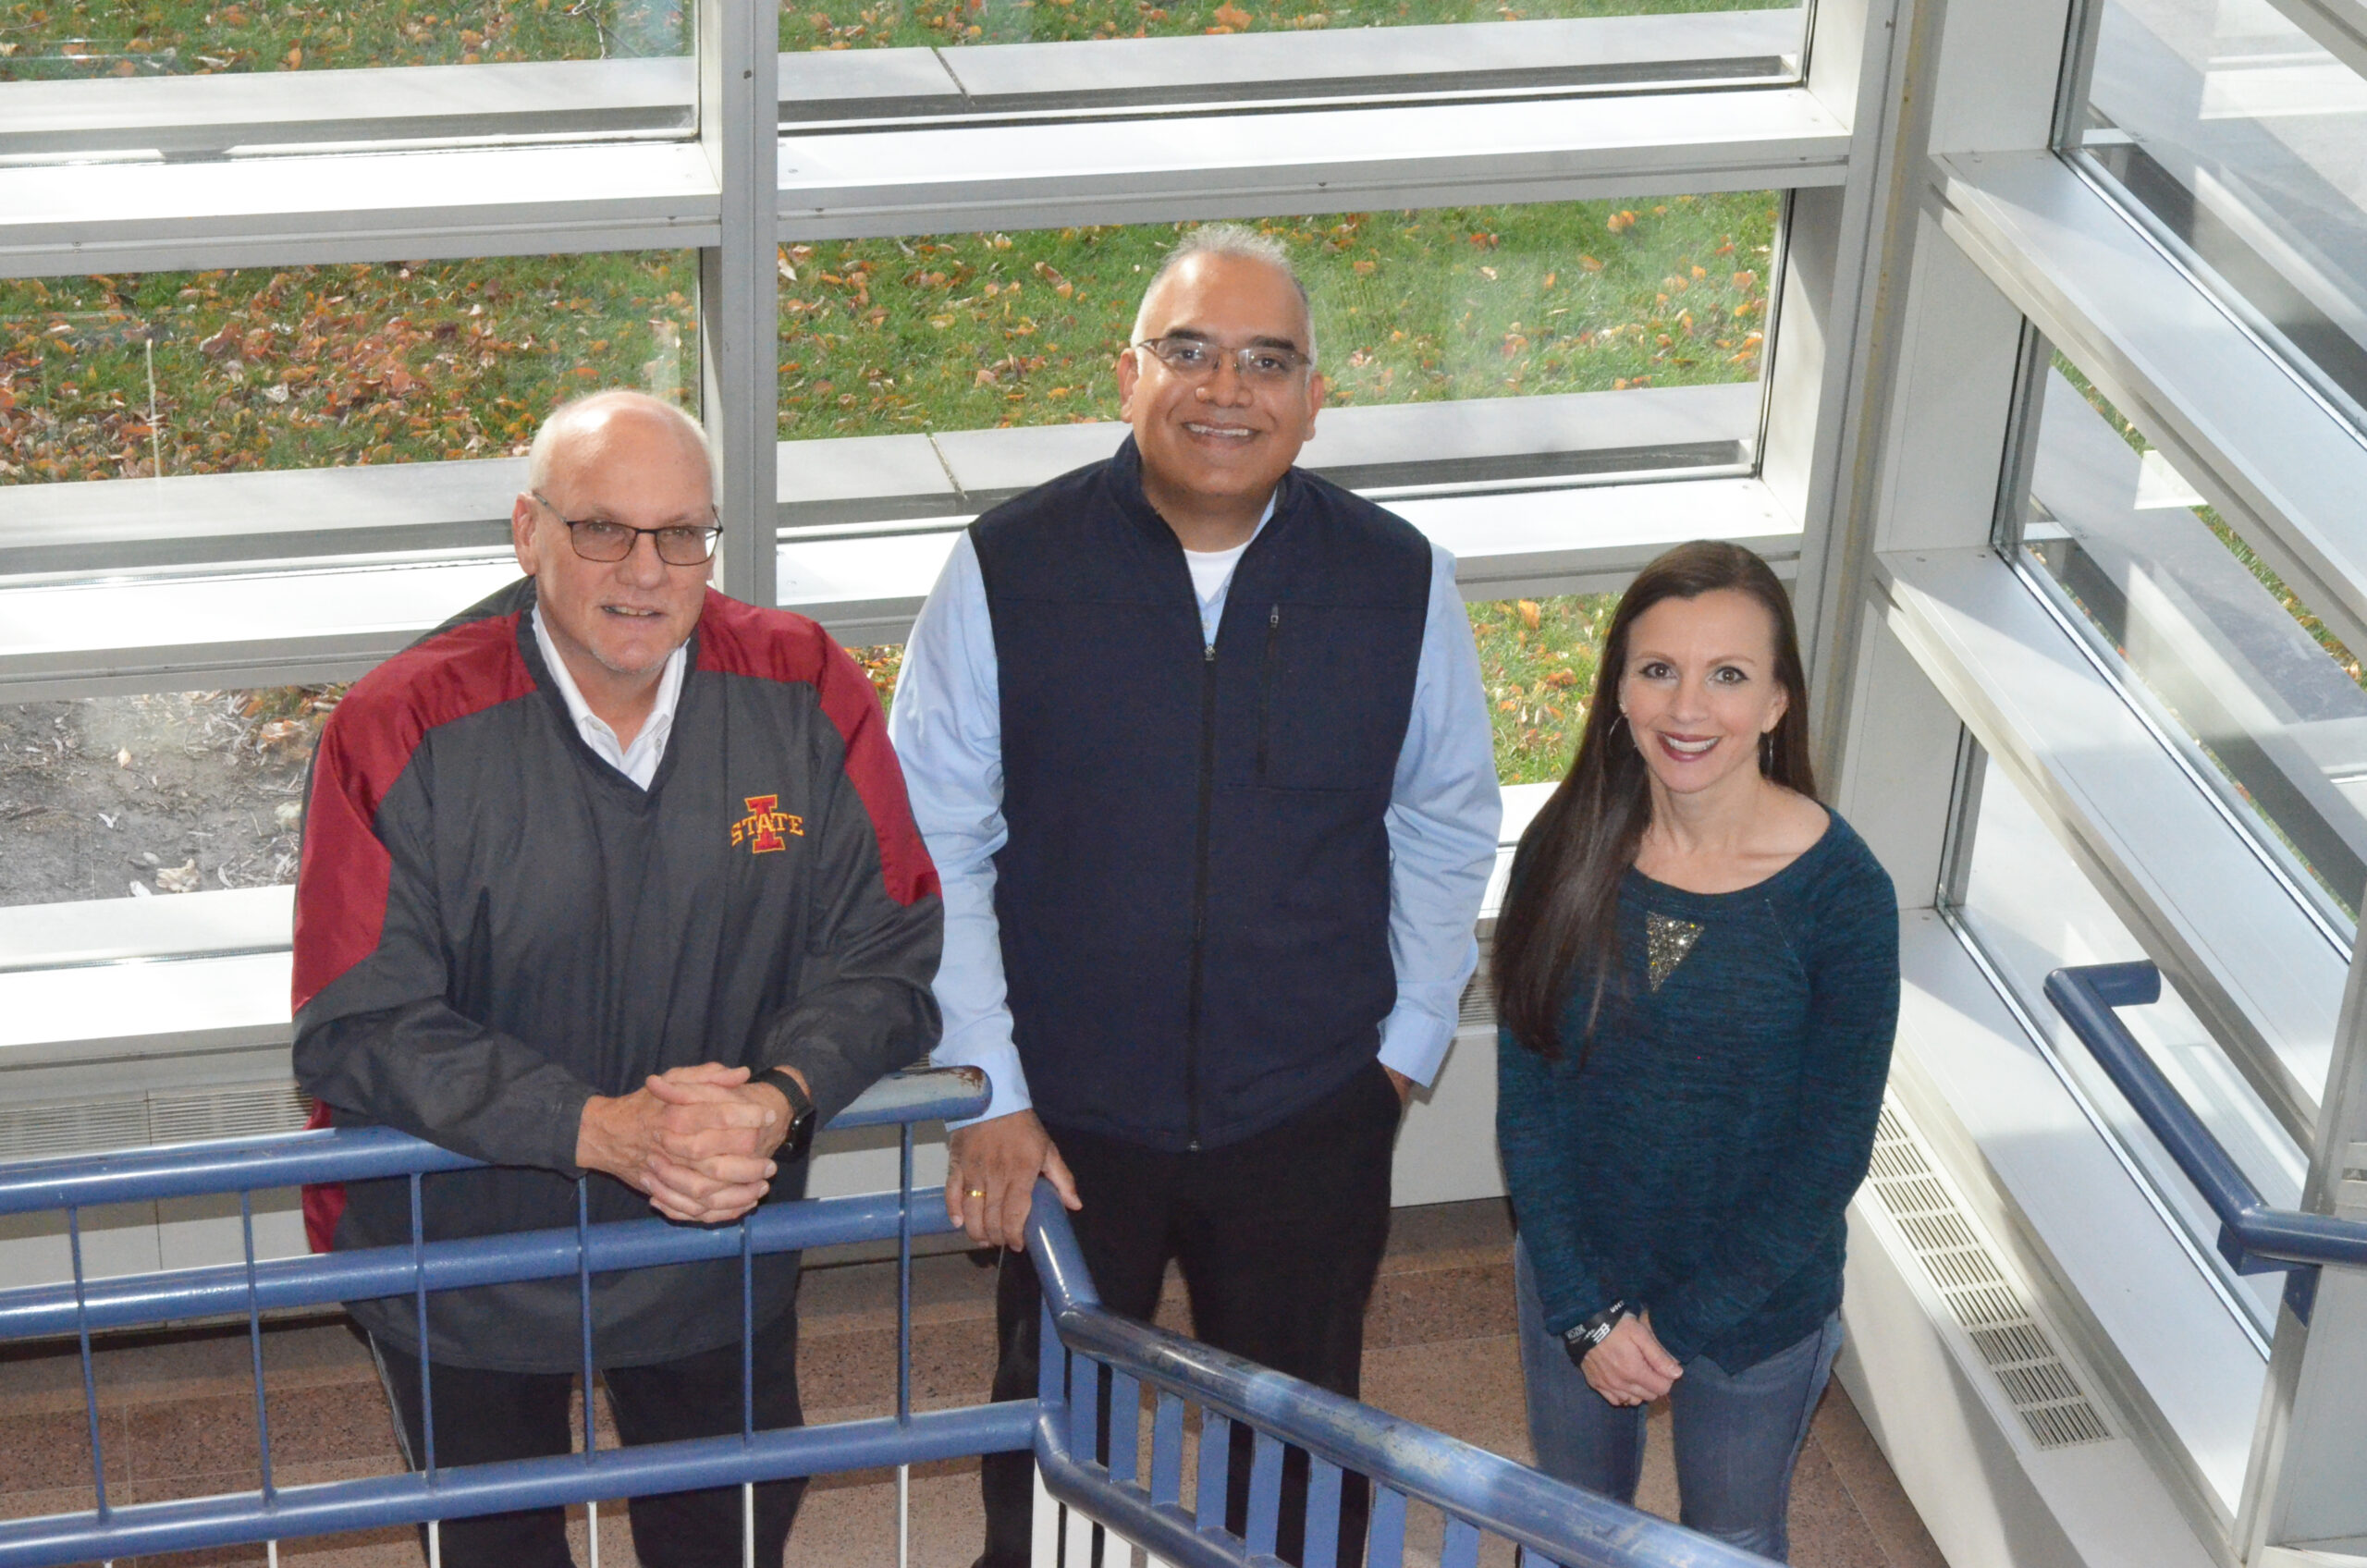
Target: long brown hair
[{"x": 1560, "y": 918}]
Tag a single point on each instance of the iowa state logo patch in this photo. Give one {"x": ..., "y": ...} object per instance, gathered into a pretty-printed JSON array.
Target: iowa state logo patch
[{"x": 765, "y": 829}]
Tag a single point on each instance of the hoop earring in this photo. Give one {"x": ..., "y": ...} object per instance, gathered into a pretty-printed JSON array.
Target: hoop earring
[
  {"x": 1615, "y": 724},
  {"x": 1767, "y": 754}
]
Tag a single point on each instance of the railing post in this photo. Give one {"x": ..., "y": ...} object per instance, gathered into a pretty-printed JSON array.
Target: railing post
[
  {"x": 2302, "y": 1487},
  {"x": 1051, "y": 1406}
]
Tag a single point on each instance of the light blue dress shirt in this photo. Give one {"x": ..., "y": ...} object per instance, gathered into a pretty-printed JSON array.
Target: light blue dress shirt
[{"x": 1444, "y": 817}]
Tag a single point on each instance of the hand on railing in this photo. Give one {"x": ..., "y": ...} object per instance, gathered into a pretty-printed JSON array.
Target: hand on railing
[{"x": 1097, "y": 1465}]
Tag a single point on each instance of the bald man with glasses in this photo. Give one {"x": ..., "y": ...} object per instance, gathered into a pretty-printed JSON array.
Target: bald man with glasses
[
  {"x": 1199, "y": 742},
  {"x": 608, "y": 878}
]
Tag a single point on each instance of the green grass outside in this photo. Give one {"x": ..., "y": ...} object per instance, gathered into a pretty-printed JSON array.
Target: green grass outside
[
  {"x": 847, "y": 24},
  {"x": 315, "y": 367},
  {"x": 90, "y": 38},
  {"x": 975, "y": 331},
  {"x": 126, "y": 376}
]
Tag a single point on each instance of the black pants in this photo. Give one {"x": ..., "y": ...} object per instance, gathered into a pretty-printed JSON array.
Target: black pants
[
  {"x": 1279, "y": 1237},
  {"x": 484, "y": 1416}
]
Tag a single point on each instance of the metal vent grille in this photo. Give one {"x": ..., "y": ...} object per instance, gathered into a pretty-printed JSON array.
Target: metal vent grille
[
  {"x": 43, "y": 1131},
  {"x": 1987, "y": 1304},
  {"x": 228, "y": 1114},
  {"x": 1479, "y": 1009},
  {"x": 72, "y": 1127}
]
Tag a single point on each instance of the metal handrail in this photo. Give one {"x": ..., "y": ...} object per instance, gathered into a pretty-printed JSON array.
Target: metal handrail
[
  {"x": 253, "y": 1286},
  {"x": 1475, "y": 1490},
  {"x": 1549, "y": 1519},
  {"x": 2254, "y": 1237},
  {"x": 362, "y": 1153}
]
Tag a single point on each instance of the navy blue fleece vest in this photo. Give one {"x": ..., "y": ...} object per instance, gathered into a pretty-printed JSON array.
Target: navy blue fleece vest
[{"x": 1194, "y": 896}]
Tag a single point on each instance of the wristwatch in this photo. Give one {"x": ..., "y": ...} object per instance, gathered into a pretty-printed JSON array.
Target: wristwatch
[
  {"x": 1593, "y": 1331},
  {"x": 800, "y": 1114}
]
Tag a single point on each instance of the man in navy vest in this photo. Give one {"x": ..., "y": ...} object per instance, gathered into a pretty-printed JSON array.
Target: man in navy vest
[{"x": 1198, "y": 745}]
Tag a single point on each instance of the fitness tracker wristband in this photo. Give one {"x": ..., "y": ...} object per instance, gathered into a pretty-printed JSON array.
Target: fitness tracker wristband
[{"x": 1593, "y": 1331}]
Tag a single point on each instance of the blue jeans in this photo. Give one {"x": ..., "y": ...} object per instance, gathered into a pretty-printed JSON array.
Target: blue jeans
[{"x": 1738, "y": 1434}]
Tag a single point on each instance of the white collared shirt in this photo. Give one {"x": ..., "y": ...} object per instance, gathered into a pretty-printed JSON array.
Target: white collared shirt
[{"x": 638, "y": 761}]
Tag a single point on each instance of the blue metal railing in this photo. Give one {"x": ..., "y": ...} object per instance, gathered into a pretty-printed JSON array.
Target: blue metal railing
[
  {"x": 2254, "y": 1237},
  {"x": 253, "y": 1286},
  {"x": 1473, "y": 1493},
  {"x": 1476, "y": 1493}
]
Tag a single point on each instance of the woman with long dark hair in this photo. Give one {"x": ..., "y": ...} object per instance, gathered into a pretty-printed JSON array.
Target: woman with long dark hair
[{"x": 1696, "y": 975}]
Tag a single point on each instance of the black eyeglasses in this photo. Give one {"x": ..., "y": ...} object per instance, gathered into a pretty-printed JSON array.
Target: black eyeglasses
[
  {"x": 1195, "y": 358},
  {"x": 678, "y": 543}
]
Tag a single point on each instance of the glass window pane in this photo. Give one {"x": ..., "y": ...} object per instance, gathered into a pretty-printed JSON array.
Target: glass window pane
[
  {"x": 2248, "y": 142},
  {"x": 2235, "y": 665},
  {"x": 1538, "y": 659},
  {"x": 72, "y": 40},
  {"x": 963, "y": 332},
  {"x": 145, "y": 796},
  {"x": 136, "y": 374},
  {"x": 844, "y": 24},
  {"x": 2031, "y": 910}
]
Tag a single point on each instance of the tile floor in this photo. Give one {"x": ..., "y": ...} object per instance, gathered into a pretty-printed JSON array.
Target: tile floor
[{"x": 177, "y": 1411}]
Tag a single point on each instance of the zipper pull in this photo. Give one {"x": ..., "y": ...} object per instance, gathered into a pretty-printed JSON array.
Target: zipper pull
[
  {"x": 1274, "y": 618},
  {"x": 1208, "y": 653}
]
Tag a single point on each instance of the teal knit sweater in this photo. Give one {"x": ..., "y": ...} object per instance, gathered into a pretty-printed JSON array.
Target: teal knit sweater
[{"x": 1696, "y": 1157}]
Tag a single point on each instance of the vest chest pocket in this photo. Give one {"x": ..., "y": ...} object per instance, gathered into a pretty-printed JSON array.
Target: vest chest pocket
[{"x": 1335, "y": 684}]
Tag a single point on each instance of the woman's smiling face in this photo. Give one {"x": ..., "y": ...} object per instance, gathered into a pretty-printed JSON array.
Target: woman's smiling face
[{"x": 1700, "y": 688}]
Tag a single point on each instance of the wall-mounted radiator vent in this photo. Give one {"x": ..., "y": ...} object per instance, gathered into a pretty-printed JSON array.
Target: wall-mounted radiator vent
[
  {"x": 42, "y": 1132},
  {"x": 247, "y": 1112},
  {"x": 1986, "y": 1302},
  {"x": 1479, "y": 1009},
  {"x": 72, "y": 1127}
]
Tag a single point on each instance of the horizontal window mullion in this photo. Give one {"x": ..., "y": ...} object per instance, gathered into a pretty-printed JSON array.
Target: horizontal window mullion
[
  {"x": 281, "y": 517},
  {"x": 334, "y": 619},
  {"x": 209, "y": 115},
  {"x": 2281, "y": 466},
  {"x": 2340, "y": 25},
  {"x": 356, "y": 207},
  {"x": 884, "y": 182}
]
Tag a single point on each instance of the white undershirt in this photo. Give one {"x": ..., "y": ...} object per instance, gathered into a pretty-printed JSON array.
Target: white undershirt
[
  {"x": 1213, "y": 573},
  {"x": 638, "y": 761}
]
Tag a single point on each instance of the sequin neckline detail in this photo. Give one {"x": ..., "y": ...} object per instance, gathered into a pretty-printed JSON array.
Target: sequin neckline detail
[{"x": 1666, "y": 943}]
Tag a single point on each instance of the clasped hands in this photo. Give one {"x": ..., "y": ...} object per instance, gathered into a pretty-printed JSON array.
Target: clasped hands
[
  {"x": 697, "y": 1141},
  {"x": 1631, "y": 1367}
]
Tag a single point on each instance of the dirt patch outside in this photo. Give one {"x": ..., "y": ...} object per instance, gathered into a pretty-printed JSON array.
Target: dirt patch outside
[{"x": 134, "y": 797}]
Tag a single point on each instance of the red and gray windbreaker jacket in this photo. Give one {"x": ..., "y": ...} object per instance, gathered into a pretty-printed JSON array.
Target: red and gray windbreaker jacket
[{"x": 493, "y": 924}]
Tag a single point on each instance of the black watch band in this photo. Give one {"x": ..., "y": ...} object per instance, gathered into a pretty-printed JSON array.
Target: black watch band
[
  {"x": 800, "y": 1114},
  {"x": 1593, "y": 1331}
]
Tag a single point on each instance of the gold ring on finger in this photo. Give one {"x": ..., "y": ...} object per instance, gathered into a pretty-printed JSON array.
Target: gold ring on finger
[{"x": 977, "y": 1191}]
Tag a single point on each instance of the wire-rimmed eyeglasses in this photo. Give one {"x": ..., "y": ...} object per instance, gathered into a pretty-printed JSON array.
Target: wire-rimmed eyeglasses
[
  {"x": 1194, "y": 359},
  {"x": 678, "y": 543}
]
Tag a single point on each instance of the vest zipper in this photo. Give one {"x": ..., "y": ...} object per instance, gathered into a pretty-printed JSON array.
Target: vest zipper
[
  {"x": 1266, "y": 684},
  {"x": 1200, "y": 893}
]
